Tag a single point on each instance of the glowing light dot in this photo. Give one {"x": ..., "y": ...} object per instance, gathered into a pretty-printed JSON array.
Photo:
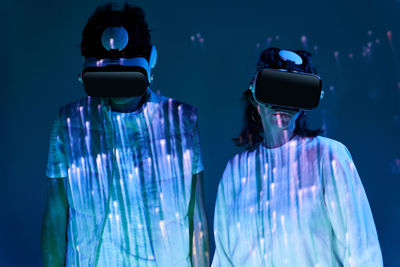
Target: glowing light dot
[
  {"x": 192, "y": 38},
  {"x": 336, "y": 54},
  {"x": 333, "y": 163},
  {"x": 238, "y": 225},
  {"x": 303, "y": 39},
  {"x": 272, "y": 186},
  {"x": 115, "y": 204},
  {"x": 162, "y": 227},
  {"x": 243, "y": 180},
  {"x": 389, "y": 35},
  {"x": 157, "y": 209},
  {"x": 313, "y": 188},
  {"x": 198, "y": 35},
  {"x": 315, "y": 47}
]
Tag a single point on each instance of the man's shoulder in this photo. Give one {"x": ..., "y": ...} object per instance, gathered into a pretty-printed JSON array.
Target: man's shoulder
[
  {"x": 172, "y": 103},
  {"x": 80, "y": 104}
]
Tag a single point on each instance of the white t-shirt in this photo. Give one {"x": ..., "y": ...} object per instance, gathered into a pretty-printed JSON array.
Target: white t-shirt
[
  {"x": 129, "y": 181},
  {"x": 301, "y": 204}
]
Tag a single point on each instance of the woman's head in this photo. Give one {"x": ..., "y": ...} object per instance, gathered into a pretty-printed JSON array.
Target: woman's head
[{"x": 273, "y": 118}]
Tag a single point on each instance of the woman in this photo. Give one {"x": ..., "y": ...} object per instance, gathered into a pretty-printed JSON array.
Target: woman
[{"x": 292, "y": 198}]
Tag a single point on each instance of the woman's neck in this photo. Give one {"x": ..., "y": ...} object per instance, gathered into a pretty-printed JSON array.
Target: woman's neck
[{"x": 274, "y": 138}]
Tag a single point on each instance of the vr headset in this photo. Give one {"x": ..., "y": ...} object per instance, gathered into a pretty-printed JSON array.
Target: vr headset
[
  {"x": 287, "y": 88},
  {"x": 117, "y": 76}
]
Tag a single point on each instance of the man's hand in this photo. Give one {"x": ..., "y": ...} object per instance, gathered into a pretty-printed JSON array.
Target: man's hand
[{"x": 200, "y": 253}]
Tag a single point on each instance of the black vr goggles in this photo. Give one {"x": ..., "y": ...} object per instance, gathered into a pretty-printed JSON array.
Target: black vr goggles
[
  {"x": 287, "y": 88},
  {"x": 117, "y": 76}
]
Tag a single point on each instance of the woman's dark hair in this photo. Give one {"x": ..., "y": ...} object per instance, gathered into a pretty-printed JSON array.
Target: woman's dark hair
[
  {"x": 130, "y": 17},
  {"x": 249, "y": 136}
]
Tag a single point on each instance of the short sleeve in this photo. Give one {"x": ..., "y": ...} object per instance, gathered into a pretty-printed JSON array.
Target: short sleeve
[
  {"x": 197, "y": 164},
  {"x": 56, "y": 162}
]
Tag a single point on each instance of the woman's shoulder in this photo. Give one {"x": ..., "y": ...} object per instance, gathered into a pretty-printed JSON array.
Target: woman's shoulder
[
  {"x": 331, "y": 147},
  {"x": 325, "y": 142}
]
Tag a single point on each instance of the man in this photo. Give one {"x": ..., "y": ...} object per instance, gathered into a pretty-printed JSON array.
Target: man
[{"x": 124, "y": 172}]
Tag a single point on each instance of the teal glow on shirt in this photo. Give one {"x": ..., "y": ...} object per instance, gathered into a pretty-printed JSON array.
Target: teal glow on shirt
[
  {"x": 129, "y": 181},
  {"x": 301, "y": 204}
]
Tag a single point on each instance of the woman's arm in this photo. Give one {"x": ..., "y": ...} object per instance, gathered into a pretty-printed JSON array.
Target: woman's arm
[{"x": 354, "y": 235}]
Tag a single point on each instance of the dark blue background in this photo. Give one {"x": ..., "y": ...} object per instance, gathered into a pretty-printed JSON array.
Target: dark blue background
[{"x": 40, "y": 60}]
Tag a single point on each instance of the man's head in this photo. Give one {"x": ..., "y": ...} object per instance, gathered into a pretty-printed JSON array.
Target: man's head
[
  {"x": 118, "y": 53},
  {"x": 131, "y": 18}
]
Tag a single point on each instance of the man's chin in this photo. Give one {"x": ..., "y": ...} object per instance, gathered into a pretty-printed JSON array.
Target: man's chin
[{"x": 120, "y": 100}]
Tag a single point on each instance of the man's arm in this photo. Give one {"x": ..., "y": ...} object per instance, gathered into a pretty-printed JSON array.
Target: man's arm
[
  {"x": 200, "y": 255},
  {"x": 54, "y": 224}
]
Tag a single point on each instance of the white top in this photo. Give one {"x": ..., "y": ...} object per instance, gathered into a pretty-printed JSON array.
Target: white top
[
  {"x": 301, "y": 204},
  {"x": 128, "y": 181}
]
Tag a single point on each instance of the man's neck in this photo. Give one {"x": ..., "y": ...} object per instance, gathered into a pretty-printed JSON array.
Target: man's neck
[{"x": 132, "y": 104}]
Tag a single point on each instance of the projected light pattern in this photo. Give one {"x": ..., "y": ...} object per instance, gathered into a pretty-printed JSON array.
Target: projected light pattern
[
  {"x": 129, "y": 183},
  {"x": 301, "y": 204}
]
